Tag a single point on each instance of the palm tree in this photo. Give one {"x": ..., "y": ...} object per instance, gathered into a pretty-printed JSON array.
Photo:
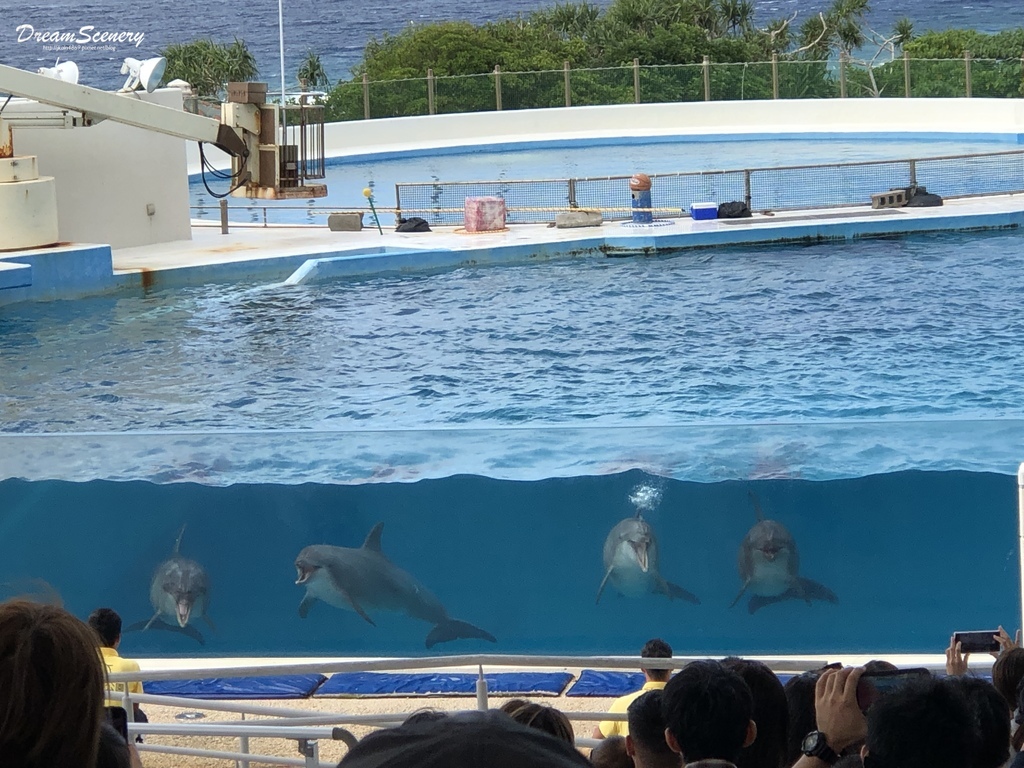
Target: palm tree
[{"x": 311, "y": 72}]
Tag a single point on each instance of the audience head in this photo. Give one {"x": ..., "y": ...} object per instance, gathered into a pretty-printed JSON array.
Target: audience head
[
  {"x": 646, "y": 740},
  {"x": 990, "y": 721},
  {"x": 113, "y": 752},
  {"x": 800, "y": 705},
  {"x": 611, "y": 753},
  {"x": 544, "y": 718},
  {"x": 1007, "y": 673},
  {"x": 51, "y": 688},
  {"x": 106, "y": 623},
  {"x": 876, "y": 665},
  {"x": 425, "y": 716},
  {"x": 923, "y": 724},
  {"x": 466, "y": 740},
  {"x": 771, "y": 715},
  {"x": 656, "y": 649},
  {"x": 708, "y": 712}
]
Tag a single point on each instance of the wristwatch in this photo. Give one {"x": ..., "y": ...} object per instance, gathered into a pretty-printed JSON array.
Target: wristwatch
[{"x": 815, "y": 744}]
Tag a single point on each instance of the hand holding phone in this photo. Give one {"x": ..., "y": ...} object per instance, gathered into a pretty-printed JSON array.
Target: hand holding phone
[
  {"x": 983, "y": 641},
  {"x": 874, "y": 685}
]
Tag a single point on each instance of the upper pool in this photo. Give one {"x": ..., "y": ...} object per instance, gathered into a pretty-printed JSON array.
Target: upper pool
[{"x": 346, "y": 178}]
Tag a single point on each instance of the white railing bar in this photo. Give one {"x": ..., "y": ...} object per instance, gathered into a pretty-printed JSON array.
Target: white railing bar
[
  {"x": 219, "y": 729},
  {"x": 399, "y": 717},
  {"x": 216, "y": 705},
  {"x": 217, "y": 754},
  {"x": 388, "y": 665}
]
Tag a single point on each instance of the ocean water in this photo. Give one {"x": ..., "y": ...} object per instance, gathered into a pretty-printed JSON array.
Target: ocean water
[
  {"x": 911, "y": 557},
  {"x": 338, "y": 30}
]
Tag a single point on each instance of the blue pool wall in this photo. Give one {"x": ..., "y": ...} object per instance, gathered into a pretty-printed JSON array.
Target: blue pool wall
[{"x": 912, "y": 556}]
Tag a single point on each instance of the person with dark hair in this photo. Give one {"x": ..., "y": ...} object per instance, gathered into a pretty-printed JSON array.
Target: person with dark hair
[
  {"x": 800, "y": 706},
  {"x": 654, "y": 680},
  {"x": 708, "y": 712},
  {"x": 646, "y": 742},
  {"x": 51, "y": 688},
  {"x": 611, "y": 753},
  {"x": 877, "y": 665},
  {"x": 106, "y": 623},
  {"x": 464, "y": 740},
  {"x": 1007, "y": 672},
  {"x": 425, "y": 715},
  {"x": 771, "y": 714},
  {"x": 541, "y": 717},
  {"x": 989, "y": 712}
]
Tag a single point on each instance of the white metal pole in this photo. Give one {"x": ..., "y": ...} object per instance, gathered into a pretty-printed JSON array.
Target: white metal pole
[
  {"x": 280, "y": 30},
  {"x": 1020, "y": 535}
]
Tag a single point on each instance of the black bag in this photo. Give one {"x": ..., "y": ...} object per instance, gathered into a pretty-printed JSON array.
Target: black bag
[
  {"x": 415, "y": 224},
  {"x": 733, "y": 210},
  {"x": 924, "y": 200}
]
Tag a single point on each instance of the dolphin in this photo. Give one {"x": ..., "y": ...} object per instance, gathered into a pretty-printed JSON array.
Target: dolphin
[
  {"x": 180, "y": 591},
  {"x": 769, "y": 567},
  {"x": 363, "y": 579},
  {"x": 631, "y": 562}
]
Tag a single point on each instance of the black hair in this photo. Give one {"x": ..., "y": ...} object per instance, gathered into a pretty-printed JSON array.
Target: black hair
[
  {"x": 924, "y": 723},
  {"x": 990, "y": 721},
  {"x": 771, "y": 714},
  {"x": 647, "y": 730},
  {"x": 611, "y": 753},
  {"x": 707, "y": 708},
  {"x": 106, "y": 623},
  {"x": 877, "y": 665},
  {"x": 657, "y": 648},
  {"x": 113, "y": 749},
  {"x": 425, "y": 715},
  {"x": 800, "y": 705},
  {"x": 544, "y": 718},
  {"x": 1007, "y": 673}
]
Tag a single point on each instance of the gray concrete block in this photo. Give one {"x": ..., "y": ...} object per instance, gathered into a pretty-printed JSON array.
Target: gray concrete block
[
  {"x": 345, "y": 222},
  {"x": 571, "y": 219}
]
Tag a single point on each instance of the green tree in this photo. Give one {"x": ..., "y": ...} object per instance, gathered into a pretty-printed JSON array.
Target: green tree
[
  {"x": 311, "y": 72},
  {"x": 209, "y": 66}
]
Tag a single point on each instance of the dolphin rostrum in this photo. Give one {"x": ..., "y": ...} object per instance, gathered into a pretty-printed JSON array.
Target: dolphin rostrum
[
  {"x": 180, "y": 591},
  {"x": 363, "y": 579},
  {"x": 631, "y": 562},
  {"x": 769, "y": 567}
]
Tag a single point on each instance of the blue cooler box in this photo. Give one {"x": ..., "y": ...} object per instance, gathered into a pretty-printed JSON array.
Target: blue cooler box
[{"x": 703, "y": 211}]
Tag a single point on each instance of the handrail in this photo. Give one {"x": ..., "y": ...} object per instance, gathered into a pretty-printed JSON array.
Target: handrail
[
  {"x": 241, "y": 757},
  {"x": 785, "y": 664}
]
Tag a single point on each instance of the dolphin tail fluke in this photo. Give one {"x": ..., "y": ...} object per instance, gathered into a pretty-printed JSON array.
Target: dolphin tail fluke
[
  {"x": 453, "y": 629},
  {"x": 675, "y": 592},
  {"x": 604, "y": 581},
  {"x": 742, "y": 590},
  {"x": 812, "y": 590}
]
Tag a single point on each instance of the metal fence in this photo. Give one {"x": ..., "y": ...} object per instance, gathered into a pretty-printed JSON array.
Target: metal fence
[
  {"x": 901, "y": 77},
  {"x": 762, "y": 189}
]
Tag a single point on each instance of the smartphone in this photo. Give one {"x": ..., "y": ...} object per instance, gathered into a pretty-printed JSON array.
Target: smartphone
[
  {"x": 119, "y": 719},
  {"x": 977, "y": 642},
  {"x": 876, "y": 684}
]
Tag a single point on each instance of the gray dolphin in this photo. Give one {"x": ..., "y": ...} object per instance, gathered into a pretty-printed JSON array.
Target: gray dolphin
[
  {"x": 769, "y": 566},
  {"x": 631, "y": 562},
  {"x": 362, "y": 579},
  {"x": 179, "y": 590}
]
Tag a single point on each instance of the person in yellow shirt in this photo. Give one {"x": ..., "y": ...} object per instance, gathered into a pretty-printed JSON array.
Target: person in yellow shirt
[
  {"x": 106, "y": 623},
  {"x": 655, "y": 680}
]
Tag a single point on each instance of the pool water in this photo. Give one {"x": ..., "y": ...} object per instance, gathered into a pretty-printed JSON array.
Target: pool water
[
  {"x": 346, "y": 178},
  {"x": 911, "y": 557}
]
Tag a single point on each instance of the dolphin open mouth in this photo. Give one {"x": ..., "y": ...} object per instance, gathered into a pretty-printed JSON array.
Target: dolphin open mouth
[
  {"x": 304, "y": 572},
  {"x": 770, "y": 552},
  {"x": 184, "y": 612},
  {"x": 640, "y": 550}
]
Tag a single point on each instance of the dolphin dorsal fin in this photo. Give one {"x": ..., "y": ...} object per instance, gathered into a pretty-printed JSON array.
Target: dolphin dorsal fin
[
  {"x": 177, "y": 542},
  {"x": 757, "y": 506},
  {"x": 372, "y": 542}
]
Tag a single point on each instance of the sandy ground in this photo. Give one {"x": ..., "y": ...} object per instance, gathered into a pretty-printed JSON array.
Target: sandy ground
[{"x": 330, "y": 752}]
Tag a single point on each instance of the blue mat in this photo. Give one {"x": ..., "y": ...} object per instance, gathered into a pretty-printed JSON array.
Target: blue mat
[
  {"x": 277, "y": 687},
  {"x": 424, "y": 684},
  {"x": 594, "y": 682}
]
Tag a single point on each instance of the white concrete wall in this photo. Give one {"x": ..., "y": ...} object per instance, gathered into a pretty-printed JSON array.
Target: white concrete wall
[
  {"x": 715, "y": 118},
  {"x": 107, "y": 173}
]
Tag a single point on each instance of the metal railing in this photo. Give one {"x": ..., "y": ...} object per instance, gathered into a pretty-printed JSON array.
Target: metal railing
[
  {"x": 835, "y": 185},
  {"x": 778, "y": 78}
]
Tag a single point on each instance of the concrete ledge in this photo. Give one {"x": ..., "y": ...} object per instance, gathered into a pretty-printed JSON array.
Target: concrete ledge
[{"x": 15, "y": 275}]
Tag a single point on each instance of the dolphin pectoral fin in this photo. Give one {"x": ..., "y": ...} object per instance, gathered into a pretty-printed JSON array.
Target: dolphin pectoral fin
[
  {"x": 742, "y": 590},
  {"x": 453, "y": 629},
  {"x": 140, "y": 626},
  {"x": 149, "y": 623},
  {"x": 358, "y": 608},
  {"x": 209, "y": 621},
  {"x": 675, "y": 592},
  {"x": 812, "y": 590},
  {"x": 603, "y": 582},
  {"x": 305, "y": 605}
]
